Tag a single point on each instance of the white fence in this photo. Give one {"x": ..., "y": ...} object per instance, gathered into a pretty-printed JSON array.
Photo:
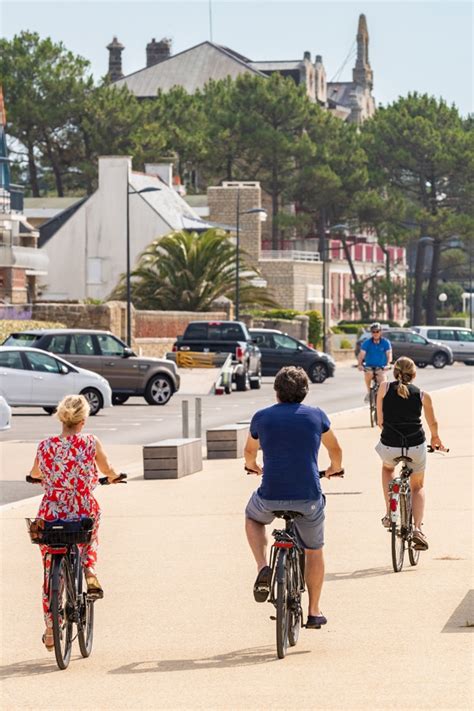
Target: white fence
[{"x": 291, "y": 255}]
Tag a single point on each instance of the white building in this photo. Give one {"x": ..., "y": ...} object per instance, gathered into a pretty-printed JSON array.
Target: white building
[{"x": 87, "y": 243}]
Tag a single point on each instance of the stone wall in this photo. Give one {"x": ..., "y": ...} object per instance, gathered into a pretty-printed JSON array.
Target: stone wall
[
  {"x": 170, "y": 324},
  {"x": 107, "y": 317},
  {"x": 153, "y": 347},
  {"x": 288, "y": 281},
  {"x": 298, "y": 327}
]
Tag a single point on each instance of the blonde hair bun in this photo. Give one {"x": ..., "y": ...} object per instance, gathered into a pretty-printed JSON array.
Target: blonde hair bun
[{"x": 72, "y": 409}]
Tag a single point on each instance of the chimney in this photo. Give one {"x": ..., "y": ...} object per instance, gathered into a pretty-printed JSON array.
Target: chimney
[
  {"x": 115, "y": 60},
  {"x": 161, "y": 170},
  {"x": 157, "y": 51},
  {"x": 307, "y": 55}
]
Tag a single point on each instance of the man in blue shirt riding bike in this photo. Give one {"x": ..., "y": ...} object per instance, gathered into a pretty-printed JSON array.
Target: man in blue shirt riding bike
[
  {"x": 375, "y": 352},
  {"x": 290, "y": 435}
]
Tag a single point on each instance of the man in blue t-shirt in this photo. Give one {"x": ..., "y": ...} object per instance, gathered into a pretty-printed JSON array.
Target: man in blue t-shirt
[
  {"x": 375, "y": 352},
  {"x": 290, "y": 435}
]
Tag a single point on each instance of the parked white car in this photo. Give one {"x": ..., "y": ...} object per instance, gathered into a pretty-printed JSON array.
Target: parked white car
[
  {"x": 5, "y": 414},
  {"x": 460, "y": 340},
  {"x": 33, "y": 378}
]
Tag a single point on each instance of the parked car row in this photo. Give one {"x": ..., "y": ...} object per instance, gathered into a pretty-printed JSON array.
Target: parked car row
[{"x": 406, "y": 342}]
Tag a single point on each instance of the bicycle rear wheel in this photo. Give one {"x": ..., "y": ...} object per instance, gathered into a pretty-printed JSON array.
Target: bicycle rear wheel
[
  {"x": 398, "y": 540},
  {"x": 294, "y": 599},
  {"x": 85, "y": 626},
  {"x": 413, "y": 553},
  {"x": 62, "y": 605},
  {"x": 282, "y": 605}
]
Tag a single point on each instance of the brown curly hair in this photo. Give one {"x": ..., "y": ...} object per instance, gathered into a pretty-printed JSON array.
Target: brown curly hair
[{"x": 291, "y": 384}]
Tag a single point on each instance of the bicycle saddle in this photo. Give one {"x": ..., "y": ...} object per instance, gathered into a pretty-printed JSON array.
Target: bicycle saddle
[
  {"x": 287, "y": 515},
  {"x": 397, "y": 460}
]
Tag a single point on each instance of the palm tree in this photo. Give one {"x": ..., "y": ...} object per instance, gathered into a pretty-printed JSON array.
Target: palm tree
[{"x": 187, "y": 271}]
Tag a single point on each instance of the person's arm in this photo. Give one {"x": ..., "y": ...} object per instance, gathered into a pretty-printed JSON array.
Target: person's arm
[
  {"x": 250, "y": 454},
  {"x": 380, "y": 396},
  {"x": 329, "y": 440},
  {"x": 432, "y": 422},
  {"x": 35, "y": 472},
  {"x": 361, "y": 359},
  {"x": 103, "y": 463}
]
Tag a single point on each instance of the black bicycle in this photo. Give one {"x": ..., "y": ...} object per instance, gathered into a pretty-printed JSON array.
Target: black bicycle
[
  {"x": 401, "y": 514},
  {"x": 69, "y": 602},
  {"x": 287, "y": 561},
  {"x": 374, "y": 388}
]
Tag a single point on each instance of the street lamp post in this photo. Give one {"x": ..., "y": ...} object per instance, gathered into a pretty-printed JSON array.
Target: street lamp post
[
  {"x": 128, "y": 267},
  {"x": 253, "y": 211}
]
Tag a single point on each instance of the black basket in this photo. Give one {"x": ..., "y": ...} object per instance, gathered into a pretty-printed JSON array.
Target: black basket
[{"x": 60, "y": 532}]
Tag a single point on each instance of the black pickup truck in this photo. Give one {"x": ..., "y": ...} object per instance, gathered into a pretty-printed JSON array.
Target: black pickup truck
[{"x": 226, "y": 337}]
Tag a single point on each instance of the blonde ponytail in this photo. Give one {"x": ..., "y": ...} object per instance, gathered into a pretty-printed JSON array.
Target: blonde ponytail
[{"x": 404, "y": 371}]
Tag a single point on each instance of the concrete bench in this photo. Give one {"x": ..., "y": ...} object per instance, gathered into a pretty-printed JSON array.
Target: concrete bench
[
  {"x": 226, "y": 442},
  {"x": 172, "y": 458}
]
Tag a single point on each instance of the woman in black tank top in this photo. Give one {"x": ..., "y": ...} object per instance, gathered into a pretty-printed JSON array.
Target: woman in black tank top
[{"x": 399, "y": 408}]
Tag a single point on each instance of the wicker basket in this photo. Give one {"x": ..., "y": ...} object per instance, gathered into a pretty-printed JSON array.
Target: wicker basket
[{"x": 60, "y": 532}]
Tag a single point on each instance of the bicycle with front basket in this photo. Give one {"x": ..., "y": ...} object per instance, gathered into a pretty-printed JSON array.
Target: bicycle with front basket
[
  {"x": 401, "y": 514},
  {"x": 69, "y": 602},
  {"x": 287, "y": 561}
]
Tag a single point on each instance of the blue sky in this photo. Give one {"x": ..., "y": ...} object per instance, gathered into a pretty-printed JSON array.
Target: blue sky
[{"x": 414, "y": 46}]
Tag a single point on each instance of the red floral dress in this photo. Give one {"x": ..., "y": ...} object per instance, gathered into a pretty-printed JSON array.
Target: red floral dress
[{"x": 70, "y": 476}]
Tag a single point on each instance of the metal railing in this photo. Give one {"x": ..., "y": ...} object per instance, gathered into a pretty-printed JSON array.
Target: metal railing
[
  {"x": 12, "y": 199},
  {"x": 293, "y": 255}
]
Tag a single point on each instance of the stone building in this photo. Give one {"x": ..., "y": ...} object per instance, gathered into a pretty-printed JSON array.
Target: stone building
[{"x": 194, "y": 67}]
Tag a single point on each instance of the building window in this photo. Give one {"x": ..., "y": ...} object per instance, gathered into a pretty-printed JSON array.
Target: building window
[{"x": 94, "y": 270}]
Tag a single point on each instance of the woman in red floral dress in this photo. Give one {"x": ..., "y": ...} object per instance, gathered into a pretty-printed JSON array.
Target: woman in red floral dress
[{"x": 68, "y": 468}]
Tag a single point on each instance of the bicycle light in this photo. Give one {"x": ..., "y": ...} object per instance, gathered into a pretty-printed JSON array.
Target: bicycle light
[
  {"x": 393, "y": 504},
  {"x": 396, "y": 488}
]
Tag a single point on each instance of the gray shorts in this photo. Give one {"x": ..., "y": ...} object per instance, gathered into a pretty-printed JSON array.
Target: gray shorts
[
  {"x": 309, "y": 528},
  {"x": 417, "y": 454}
]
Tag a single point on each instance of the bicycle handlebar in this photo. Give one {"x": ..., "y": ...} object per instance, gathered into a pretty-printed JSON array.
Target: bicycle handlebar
[
  {"x": 436, "y": 450},
  {"x": 340, "y": 474},
  {"x": 103, "y": 481}
]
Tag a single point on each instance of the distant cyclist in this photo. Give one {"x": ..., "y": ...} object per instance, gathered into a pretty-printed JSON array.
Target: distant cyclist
[
  {"x": 375, "y": 352},
  {"x": 399, "y": 407}
]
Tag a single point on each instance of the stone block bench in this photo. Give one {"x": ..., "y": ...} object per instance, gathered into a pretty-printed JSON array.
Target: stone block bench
[
  {"x": 172, "y": 458},
  {"x": 226, "y": 442}
]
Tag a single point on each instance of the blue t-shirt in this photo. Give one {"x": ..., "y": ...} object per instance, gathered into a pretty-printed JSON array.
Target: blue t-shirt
[
  {"x": 375, "y": 353},
  {"x": 290, "y": 437}
]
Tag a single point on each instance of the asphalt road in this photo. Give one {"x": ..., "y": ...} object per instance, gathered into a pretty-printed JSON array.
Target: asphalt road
[{"x": 138, "y": 423}]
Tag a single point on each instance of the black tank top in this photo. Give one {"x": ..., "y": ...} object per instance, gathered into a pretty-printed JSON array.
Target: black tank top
[{"x": 402, "y": 418}]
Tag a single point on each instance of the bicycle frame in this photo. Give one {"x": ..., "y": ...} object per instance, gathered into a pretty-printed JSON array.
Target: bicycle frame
[{"x": 399, "y": 486}]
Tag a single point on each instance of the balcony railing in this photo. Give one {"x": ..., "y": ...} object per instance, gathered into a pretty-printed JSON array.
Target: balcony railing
[
  {"x": 12, "y": 200},
  {"x": 292, "y": 255}
]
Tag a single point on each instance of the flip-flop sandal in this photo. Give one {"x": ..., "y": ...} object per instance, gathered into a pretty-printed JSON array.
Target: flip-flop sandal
[
  {"x": 49, "y": 647},
  {"x": 315, "y": 621},
  {"x": 419, "y": 541},
  {"x": 386, "y": 521},
  {"x": 94, "y": 590},
  {"x": 261, "y": 588}
]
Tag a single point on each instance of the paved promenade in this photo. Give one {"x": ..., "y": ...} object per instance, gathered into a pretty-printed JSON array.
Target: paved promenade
[{"x": 178, "y": 627}]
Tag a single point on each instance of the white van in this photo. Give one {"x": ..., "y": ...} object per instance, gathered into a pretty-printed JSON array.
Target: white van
[{"x": 460, "y": 340}]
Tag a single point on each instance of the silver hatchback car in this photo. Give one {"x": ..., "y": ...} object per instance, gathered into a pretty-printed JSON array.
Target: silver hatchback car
[{"x": 460, "y": 340}]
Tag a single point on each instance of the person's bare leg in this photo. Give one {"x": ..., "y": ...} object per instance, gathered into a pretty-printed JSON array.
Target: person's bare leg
[
  {"x": 257, "y": 538},
  {"x": 314, "y": 575},
  {"x": 368, "y": 379},
  {"x": 417, "y": 498},
  {"x": 387, "y": 476}
]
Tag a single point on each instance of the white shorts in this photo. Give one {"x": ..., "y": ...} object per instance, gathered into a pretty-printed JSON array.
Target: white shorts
[{"x": 417, "y": 454}]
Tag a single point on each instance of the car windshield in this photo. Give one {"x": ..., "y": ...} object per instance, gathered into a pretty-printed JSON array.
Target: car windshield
[{"x": 20, "y": 339}]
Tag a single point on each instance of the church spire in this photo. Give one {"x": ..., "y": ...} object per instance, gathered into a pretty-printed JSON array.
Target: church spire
[{"x": 362, "y": 73}]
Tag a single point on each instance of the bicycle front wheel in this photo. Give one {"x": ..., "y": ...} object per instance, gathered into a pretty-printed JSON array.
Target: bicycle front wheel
[
  {"x": 398, "y": 540},
  {"x": 281, "y": 605},
  {"x": 85, "y": 627},
  {"x": 62, "y": 606},
  {"x": 373, "y": 407}
]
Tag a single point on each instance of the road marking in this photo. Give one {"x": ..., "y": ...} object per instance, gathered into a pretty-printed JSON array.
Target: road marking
[{"x": 16, "y": 504}]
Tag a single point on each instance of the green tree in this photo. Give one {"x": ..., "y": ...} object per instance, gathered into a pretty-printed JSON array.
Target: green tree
[
  {"x": 422, "y": 147},
  {"x": 43, "y": 84},
  {"x": 187, "y": 271}
]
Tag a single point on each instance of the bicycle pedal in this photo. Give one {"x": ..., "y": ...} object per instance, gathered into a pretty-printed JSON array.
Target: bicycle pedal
[{"x": 272, "y": 617}]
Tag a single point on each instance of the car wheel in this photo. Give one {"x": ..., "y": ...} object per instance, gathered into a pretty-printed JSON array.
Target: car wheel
[
  {"x": 256, "y": 382},
  {"x": 421, "y": 365},
  {"x": 94, "y": 398},
  {"x": 469, "y": 362},
  {"x": 318, "y": 373},
  {"x": 242, "y": 382},
  {"x": 439, "y": 360},
  {"x": 49, "y": 410},
  {"x": 158, "y": 390},
  {"x": 119, "y": 399}
]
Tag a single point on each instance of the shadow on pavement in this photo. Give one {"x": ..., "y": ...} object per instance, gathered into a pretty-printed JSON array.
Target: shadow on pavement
[
  {"x": 462, "y": 619},
  {"x": 239, "y": 658},
  {"x": 364, "y": 573},
  {"x": 31, "y": 667}
]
